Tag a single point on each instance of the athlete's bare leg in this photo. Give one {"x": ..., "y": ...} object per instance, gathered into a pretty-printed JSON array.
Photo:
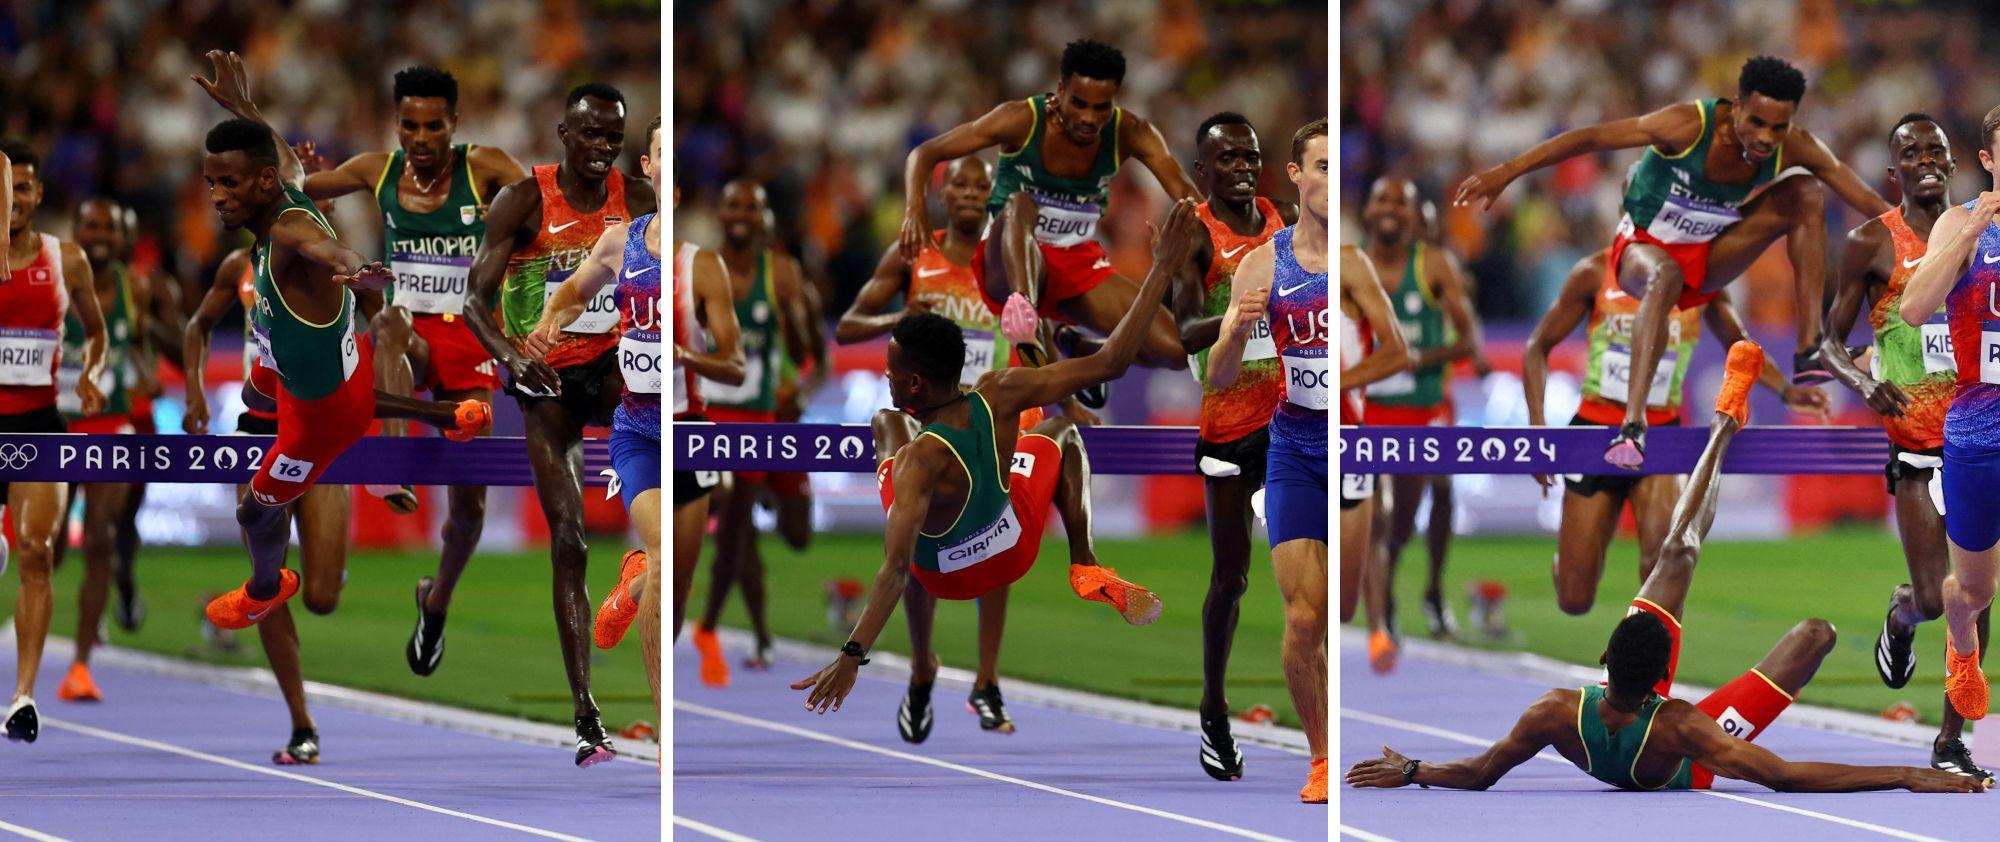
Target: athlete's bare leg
[
  {"x": 1653, "y": 500},
  {"x": 1646, "y": 272},
  {"x": 322, "y": 518},
  {"x": 1228, "y": 576},
  {"x": 795, "y": 516},
  {"x": 37, "y": 509},
  {"x": 1072, "y": 488},
  {"x": 1437, "y": 537},
  {"x": 1103, "y": 306},
  {"x": 646, "y": 518},
  {"x": 465, "y": 519},
  {"x": 1299, "y": 569},
  {"x": 103, "y": 504},
  {"x": 128, "y": 551},
  {"x": 1794, "y": 208},
  {"x": 690, "y": 527},
  {"x": 393, "y": 335},
  {"x": 555, "y": 452},
  {"x": 1667, "y": 586},
  {"x": 1588, "y": 525},
  {"x": 1395, "y": 523},
  {"x": 1357, "y": 527}
]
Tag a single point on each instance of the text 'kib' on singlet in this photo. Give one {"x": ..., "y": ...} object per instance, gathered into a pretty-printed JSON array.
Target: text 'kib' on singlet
[
  {"x": 1069, "y": 208},
  {"x": 950, "y": 291},
  {"x": 638, "y": 297},
  {"x": 1917, "y": 359},
  {"x": 1610, "y": 757},
  {"x": 431, "y": 253},
  {"x": 1301, "y": 324},
  {"x": 1242, "y": 407}
]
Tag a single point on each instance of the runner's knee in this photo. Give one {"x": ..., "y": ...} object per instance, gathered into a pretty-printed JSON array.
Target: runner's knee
[
  {"x": 321, "y": 600},
  {"x": 1304, "y": 619},
  {"x": 1929, "y": 600},
  {"x": 467, "y": 517},
  {"x": 1801, "y": 196},
  {"x": 392, "y": 328},
  {"x": 1022, "y": 210},
  {"x": 1977, "y": 590},
  {"x": 1815, "y": 634}
]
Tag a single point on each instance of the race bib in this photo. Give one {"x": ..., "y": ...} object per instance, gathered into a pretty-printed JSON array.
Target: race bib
[
  {"x": 1937, "y": 345},
  {"x": 28, "y": 356},
  {"x": 600, "y": 316},
  {"x": 1260, "y": 346},
  {"x": 428, "y": 283},
  {"x": 1615, "y": 375},
  {"x": 998, "y": 537},
  {"x": 1686, "y": 219},
  {"x": 981, "y": 346},
  {"x": 680, "y": 397},
  {"x": 68, "y": 375},
  {"x": 350, "y": 351},
  {"x": 747, "y": 391},
  {"x": 1357, "y": 486},
  {"x": 1062, "y": 222},
  {"x": 1307, "y": 382},
  {"x": 639, "y": 360},
  {"x": 1989, "y": 351}
]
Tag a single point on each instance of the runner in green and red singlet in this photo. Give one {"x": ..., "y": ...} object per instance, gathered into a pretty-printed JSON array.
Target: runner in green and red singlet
[{"x": 1706, "y": 199}]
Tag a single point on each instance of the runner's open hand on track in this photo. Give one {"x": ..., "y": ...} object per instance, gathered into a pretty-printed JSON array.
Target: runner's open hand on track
[
  {"x": 1938, "y": 780},
  {"x": 830, "y": 685},
  {"x": 1385, "y": 772}
]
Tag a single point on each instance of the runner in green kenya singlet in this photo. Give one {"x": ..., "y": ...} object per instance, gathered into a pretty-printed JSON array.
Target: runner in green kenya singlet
[
  {"x": 431, "y": 253},
  {"x": 1069, "y": 207},
  {"x": 311, "y": 360},
  {"x": 986, "y": 499},
  {"x": 1612, "y": 757}
]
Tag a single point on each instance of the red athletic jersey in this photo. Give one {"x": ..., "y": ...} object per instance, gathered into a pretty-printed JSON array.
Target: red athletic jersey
[{"x": 33, "y": 302}]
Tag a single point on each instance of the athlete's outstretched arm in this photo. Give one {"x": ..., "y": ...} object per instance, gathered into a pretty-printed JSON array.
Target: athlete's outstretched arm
[
  {"x": 1807, "y": 151},
  {"x": 1672, "y": 128},
  {"x": 715, "y": 306},
  {"x": 864, "y": 319},
  {"x": 1727, "y": 325},
  {"x": 316, "y": 243},
  {"x": 1727, "y": 756},
  {"x": 1954, "y": 237},
  {"x": 912, "y": 477},
  {"x": 82, "y": 286},
  {"x": 1011, "y": 390},
  {"x": 601, "y": 266},
  {"x": 1142, "y": 140},
  {"x": 352, "y": 176},
  {"x": 1573, "y": 304},
  {"x": 516, "y": 211},
  {"x": 1008, "y": 122},
  {"x": 1854, "y": 277},
  {"x": 1449, "y": 289},
  {"x": 231, "y": 90},
  {"x": 215, "y": 303},
  {"x": 1392, "y": 351},
  {"x": 1478, "y": 771}
]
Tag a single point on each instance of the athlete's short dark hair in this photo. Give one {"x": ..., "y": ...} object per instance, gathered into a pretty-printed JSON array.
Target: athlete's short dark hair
[
  {"x": 247, "y": 136},
  {"x": 1913, "y": 117},
  {"x": 1303, "y": 136},
  {"x": 427, "y": 82},
  {"x": 933, "y": 346},
  {"x": 1637, "y": 656},
  {"x": 652, "y": 128},
  {"x": 1093, "y": 60},
  {"x": 594, "y": 90},
  {"x": 21, "y": 154},
  {"x": 1772, "y": 77},
  {"x": 1221, "y": 118},
  {"x": 1986, "y": 129}
]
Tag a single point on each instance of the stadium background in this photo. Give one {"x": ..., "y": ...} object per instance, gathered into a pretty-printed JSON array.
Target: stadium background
[
  {"x": 101, "y": 90},
  {"x": 822, "y": 101},
  {"x": 1436, "y": 91}
]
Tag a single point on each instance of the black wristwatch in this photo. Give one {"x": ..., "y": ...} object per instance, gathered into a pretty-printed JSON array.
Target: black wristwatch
[
  {"x": 1410, "y": 773},
  {"x": 854, "y": 649}
]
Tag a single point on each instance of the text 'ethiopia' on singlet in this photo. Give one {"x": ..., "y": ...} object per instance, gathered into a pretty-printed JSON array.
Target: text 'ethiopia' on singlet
[
  {"x": 431, "y": 253},
  {"x": 1917, "y": 359},
  {"x": 1301, "y": 324},
  {"x": 560, "y": 245},
  {"x": 1242, "y": 407},
  {"x": 638, "y": 297},
  {"x": 1672, "y": 201},
  {"x": 1069, "y": 208},
  {"x": 950, "y": 291}
]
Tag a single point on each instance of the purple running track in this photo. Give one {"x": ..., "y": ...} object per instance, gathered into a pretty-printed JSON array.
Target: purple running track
[
  {"x": 1408, "y": 708},
  {"x": 165, "y": 758},
  {"x": 749, "y": 760}
]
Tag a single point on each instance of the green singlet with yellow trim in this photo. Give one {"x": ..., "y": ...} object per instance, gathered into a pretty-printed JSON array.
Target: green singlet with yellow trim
[
  {"x": 988, "y": 515},
  {"x": 1069, "y": 208},
  {"x": 311, "y": 359},
  {"x": 431, "y": 253},
  {"x": 118, "y": 355},
  {"x": 1611, "y": 757},
  {"x": 757, "y": 326}
]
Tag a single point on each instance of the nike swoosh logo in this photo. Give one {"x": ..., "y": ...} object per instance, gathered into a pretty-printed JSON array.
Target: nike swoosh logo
[
  {"x": 260, "y": 615},
  {"x": 1991, "y": 258},
  {"x": 557, "y": 229},
  {"x": 1912, "y": 264},
  {"x": 1284, "y": 291},
  {"x": 1617, "y": 293},
  {"x": 631, "y": 275},
  {"x": 931, "y": 273},
  {"x": 1232, "y": 253}
]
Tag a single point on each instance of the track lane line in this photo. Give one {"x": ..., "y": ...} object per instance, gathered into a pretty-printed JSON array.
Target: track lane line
[
  {"x": 30, "y": 833},
  {"x": 712, "y": 830}
]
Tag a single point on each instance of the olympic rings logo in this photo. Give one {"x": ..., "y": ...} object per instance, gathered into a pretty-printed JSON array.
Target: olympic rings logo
[{"x": 16, "y": 457}]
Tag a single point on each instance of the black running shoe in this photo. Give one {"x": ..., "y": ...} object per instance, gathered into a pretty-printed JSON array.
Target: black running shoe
[
  {"x": 23, "y": 723},
  {"x": 128, "y": 610},
  {"x": 992, "y": 712},
  {"x": 303, "y": 750},
  {"x": 1220, "y": 757},
  {"x": 1952, "y": 756},
  {"x": 1810, "y": 367},
  {"x": 426, "y": 647},
  {"x": 913, "y": 716},
  {"x": 1437, "y": 616},
  {"x": 1895, "y": 658},
  {"x": 1094, "y": 396},
  {"x": 402, "y": 501},
  {"x": 592, "y": 746}
]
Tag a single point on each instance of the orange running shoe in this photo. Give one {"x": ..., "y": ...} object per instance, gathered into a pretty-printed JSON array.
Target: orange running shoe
[
  {"x": 236, "y": 610},
  {"x": 77, "y": 686},
  {"x": 1964, "y": 682},
  {"x": 1381, "y": 652},
  {"x": 472, "y": 417},
  {"x": 1315, "y": 788},
  {"x": 618, "y": 610},
  {"x": 1136, "y": 604},
  {"x": 1746, "y": 362},
  {"x": 714, "y": 668}
]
